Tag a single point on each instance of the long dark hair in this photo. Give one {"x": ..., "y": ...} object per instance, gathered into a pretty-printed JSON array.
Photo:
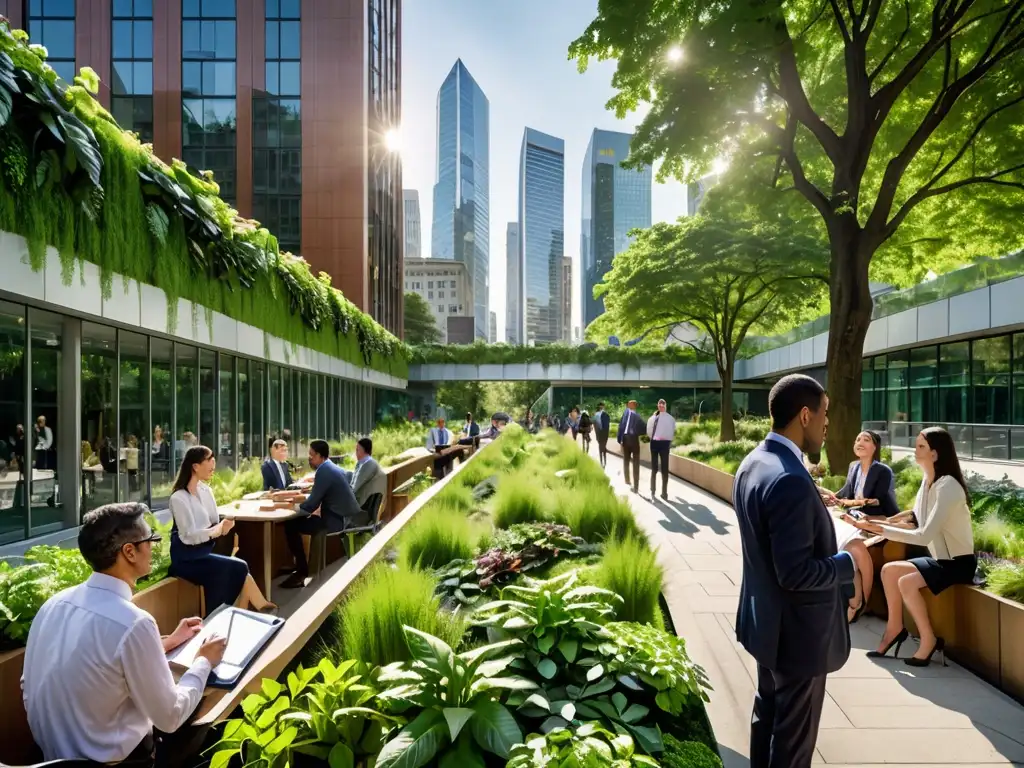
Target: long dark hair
[
  {"x": 946, "y": 463},
  {"x": 877, "y": 440},
  {"x": 197, "y": 454}
]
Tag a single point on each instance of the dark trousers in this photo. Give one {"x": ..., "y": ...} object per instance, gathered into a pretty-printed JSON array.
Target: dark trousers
[
  {"x": 659, "y": 456},
  {"x": 784, "y": 725},
  {"x": 631, "y": 457},
  {"x": 220, "y": 575},
  {"x": 293, "y": 532},
  {"x": 602, "y": 448}
]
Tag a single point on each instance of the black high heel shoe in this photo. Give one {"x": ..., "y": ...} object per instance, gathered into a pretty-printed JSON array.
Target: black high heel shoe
[
  {"x": 940, "y": 647},
  {"x": 897, "y": 641}
]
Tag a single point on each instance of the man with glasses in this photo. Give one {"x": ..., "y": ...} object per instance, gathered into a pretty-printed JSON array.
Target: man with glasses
[{"x": 96, "y": 680}]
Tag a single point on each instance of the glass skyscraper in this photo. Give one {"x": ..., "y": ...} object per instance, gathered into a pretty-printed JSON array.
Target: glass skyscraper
[
  {"x": 541, "y": 235},
  {"x": 513, "y": 298},
  {"x": 461, "y": 229},
  {"x": 411, "y": 202},
  {"x": 615, "y": 200}
]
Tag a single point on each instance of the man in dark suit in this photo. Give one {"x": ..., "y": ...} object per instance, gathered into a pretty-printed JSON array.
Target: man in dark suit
[
  {"x": 276, "y": 475},
  {"x": 602, "y": 426},
  {"x": 792, "y": 616},
  {"x": 631, "y": 426},
  {"x": 331, "y": 507}
]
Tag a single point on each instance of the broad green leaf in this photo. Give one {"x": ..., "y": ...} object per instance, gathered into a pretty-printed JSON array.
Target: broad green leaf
[
  {"x": 271, "y": 688},
  {"x": 417, "y": 743},
  {"x": 432, "y": 651},
  {"x": 282, "y": 741},
  {"x": 547, "y": 669},
  {"x": 221, "y": 758},
  {"x": 569, "y": 648},
  {"x": 487, "y": 650},
  {"x": 511, "y": 683},
  {"x": 594, "y": 673},
  {"x": 465, "y": 755},
  {"x": 341, "y": 756},
  {"x": 456, "y": 717},
  {"x": 494, "y": 728}
]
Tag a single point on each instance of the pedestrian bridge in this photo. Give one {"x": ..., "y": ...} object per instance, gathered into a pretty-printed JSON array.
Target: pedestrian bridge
[{"x": 574, "y": 373}]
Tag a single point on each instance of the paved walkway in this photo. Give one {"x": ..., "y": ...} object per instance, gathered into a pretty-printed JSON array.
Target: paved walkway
[{"x": 875, "y": 712}]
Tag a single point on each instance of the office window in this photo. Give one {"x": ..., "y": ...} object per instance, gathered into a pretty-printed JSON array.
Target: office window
[
  {"x": 244, "y": 424},
  {"x": 277, "y": 128},
  {"x": 99, "y": 450},
  {"x": 430, "y": 284},
  {"x": 1018, "y": 378},
  {"x": 160, "y": 447},
  {"x": 208, "y": 434},
  {"x": 51, "y": 23},
  {"x": 47, "y": 354},
  {"x": 209, "y": 112},
  {"x": 924, "y": 379},
  {"x": 440, "y": 309},
  {"x": 186, "y": 386},
  {"x": 452, "y": 283},
  {"x": 867, "y": 392},
  {"x": 225, "y": 445},
  {"x": 131, "y": 81},
  {"x": 897, "y": 367},
  {"x": 990, "y": 377},
  {"x": 452, "y": 309},
  {"x": 133, "y": 388},
  {"x": 260, "y": 430},
  {"x": 440, "y": 294},
  {"x": 954, "y": 381}
]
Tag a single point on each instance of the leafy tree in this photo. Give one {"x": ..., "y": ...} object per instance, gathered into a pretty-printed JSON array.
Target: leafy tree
[
  {"x": 420, "y": 327},
  {"x": 897, "y": 121},
  {"x": 722, "y": 276}
]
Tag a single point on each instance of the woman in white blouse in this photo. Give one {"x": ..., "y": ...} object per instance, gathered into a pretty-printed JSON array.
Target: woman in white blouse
[
  {"x": 225, "y": 580},
  {"x": 944, "y": 518}
]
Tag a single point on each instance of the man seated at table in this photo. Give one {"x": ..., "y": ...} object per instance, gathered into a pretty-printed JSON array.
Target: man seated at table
[
  {"x": 96, "y": 680},
  {"x": 276, "y": 475},
  {"x": 330, "y": 508},
  {"x": 437, "y": 439},
  {"x": 368, "y": 477},
  {"x": 492, "y": 432}
]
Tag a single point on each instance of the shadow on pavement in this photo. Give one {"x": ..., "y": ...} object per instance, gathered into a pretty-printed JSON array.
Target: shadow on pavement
[{"x": 689, "y": 518}]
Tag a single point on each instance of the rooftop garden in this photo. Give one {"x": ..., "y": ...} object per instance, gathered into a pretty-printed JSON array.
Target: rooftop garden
[
  {"x": 72, "y": 179},
  {"x": 481, "y": 353},
  {"x": 521, "y": 625}
]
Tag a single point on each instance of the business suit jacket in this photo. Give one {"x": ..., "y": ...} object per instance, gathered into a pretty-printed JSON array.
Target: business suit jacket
[
  {"x": 634, "y": 429},
  {"x": 368, "y": 479},
  {"x": 333, "y": 494},
  {"x": 602, "y": 424},
  {"x": 272, "y": 478},
  {"x": 880, "y": 484},
  {"x": 791, "y": 616}
]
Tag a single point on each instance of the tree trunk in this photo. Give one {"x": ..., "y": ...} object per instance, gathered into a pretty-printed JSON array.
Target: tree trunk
[
  {"x": 728, "y": 429},
  {"x": 849, "y": 318}
]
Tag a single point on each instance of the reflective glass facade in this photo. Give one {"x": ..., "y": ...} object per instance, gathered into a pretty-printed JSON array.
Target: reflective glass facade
[
  {"x": 513, "y": 300},
  {"x": 51, "y": 23},
  {"x": 411, "y": 204},
  {"x": 92, "y": 414},
  {"x": 541, "y": 235},
  {"x": 131, "y": 77},
  {"x": 209, "y": 109},
  {"x": 461, "y": 228},
  {"x": 615, "y": 200},
  {"x": 277, "y": 128}
]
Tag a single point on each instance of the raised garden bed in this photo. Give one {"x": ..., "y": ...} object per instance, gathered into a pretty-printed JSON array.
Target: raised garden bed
[{"x": 521, "y": 621}]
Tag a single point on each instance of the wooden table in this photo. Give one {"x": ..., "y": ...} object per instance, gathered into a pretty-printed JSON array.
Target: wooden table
[{"x": 255, "y": 530}]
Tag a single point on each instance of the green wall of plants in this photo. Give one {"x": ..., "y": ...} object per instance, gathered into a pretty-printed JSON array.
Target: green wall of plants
[{"x": 72, "y": 179}]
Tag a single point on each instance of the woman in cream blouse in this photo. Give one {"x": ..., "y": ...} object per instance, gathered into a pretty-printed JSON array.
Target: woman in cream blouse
[
  {"x": 944, "y": 518},
  {"x": 197, "y": 526}
]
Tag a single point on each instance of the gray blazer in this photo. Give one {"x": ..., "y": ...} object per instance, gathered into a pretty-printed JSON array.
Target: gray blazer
[{"x": 369, "y": 479}]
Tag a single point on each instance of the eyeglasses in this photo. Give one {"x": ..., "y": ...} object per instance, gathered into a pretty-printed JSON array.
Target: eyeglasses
[{"x": 153, "y": 538}]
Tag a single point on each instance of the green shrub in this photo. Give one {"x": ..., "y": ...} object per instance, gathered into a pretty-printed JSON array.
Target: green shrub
[
  {"x": 458, "y": 497},
  {"x": 908, "y": 482},
  {"x": 594, "y": 513},
  {"x": 630, "y": 569},
  {"x": 520, "y": 499},
  {"x": 386, "y": 599},
  {"x": 687, "y": 754},
  {"x": 833, "y": 482},
  {"x": 437, "y": 536},
  {"x": 1003, "y": 539},
  {"x": 1007, "y": 580}
]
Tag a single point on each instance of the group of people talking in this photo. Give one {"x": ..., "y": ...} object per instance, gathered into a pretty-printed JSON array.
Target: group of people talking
[{"x": 96, "y": 683}]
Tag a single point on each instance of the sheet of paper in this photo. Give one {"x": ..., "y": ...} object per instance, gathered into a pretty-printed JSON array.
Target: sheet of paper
[{"x": 246, "y": 634}]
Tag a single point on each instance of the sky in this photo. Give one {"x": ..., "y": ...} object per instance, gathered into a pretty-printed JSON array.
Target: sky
[{"x": 518, "y": 55}]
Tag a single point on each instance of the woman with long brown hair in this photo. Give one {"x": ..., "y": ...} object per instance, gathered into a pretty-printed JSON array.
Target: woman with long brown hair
[
  {"x": 944, "y": 518},
  {"x": 197, "y": 525}
]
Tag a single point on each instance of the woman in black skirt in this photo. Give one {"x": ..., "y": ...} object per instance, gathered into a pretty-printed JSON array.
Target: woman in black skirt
[{"x": 944, "y": 516}]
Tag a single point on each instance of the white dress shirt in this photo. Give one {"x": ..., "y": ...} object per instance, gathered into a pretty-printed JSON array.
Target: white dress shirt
[
  {"x": 281, "y": 472},
  {"x": 437, "y": 437},
  {"x": 194, "y": 516},
  {"x": 96, "y": 679},
  {"x": 665, "y": 429}
]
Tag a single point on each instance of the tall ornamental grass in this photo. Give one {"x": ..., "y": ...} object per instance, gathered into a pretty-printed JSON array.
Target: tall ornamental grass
[{"x": 630, "y": 569}]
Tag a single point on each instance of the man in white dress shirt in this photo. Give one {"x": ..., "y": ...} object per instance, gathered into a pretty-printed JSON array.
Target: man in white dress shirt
[
  {"x": 96, "y": 680},
  {"x": 661, "y": 428},
  {"x": 440, "y": 437}
]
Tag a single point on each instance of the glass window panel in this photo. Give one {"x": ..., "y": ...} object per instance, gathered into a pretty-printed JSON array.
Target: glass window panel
[
  {"x": 244, "y": 418},
  {"x": 190, "y": 7},
  {"x": 954, "y": 366},
  {"x": 46, "y": 510},
  {"x": 218, "y": 78},
  {"x": 142, "y": 36},
  {"x": 273, "y": 49},
  {"x": 218, "y": 8},
  {"x": 208, "y": 40},
  {"x": 273, "y": 403},
  {"x": 65, "y": 8},
  {"x": 65, "y": 69},
  {"x": 289, "y": 9},
  {"x": 990, "y": 375},
  {"x": 1018, "y": 378},
  {"x": 122, "y": 42},
  {"x": 224, "y": 40},
  {"x": 924, "y": 403},
  {"x": 59, "y": 37},
  {"x": 187, "y": 413},
  {"x": 13, "y": 462},
  {"x": 897, "y": 365},
  {"x": 160, "y": 446},
  {"x": 273, "y": 78},
  {"x": 256, "y": 389},
  {"x": 290, "y": 40},
  {"x": 121, "y": 82},
  {"x": 122, "y": 8},
  {"x": 143, "y": 78},
  {"x": 291, "y": 78},
  {"x": 133, "y": 443},
  {"x": 144, "y": 9},
  {"x": 287, "y": 407},
  {"x": 273, "y": 9},
  {"x": 227, "y": 441},
  {"x": 207, "y": 391}
]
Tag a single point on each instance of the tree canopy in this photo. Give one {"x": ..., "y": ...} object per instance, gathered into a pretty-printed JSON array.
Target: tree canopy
[
  {"x": 897, "y": 122},
  {"x": 722, "y": 275},
  {"x": 420, "y": 327}
]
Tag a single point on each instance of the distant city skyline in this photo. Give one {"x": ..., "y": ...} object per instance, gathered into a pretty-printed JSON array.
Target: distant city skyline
[
  {"x": 543, "y": 90},
  {"x": 411, "y": 204}
]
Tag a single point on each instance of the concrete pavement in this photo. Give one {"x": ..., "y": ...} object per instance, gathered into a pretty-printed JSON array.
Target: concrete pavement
[{"x": 876, "y": 712}]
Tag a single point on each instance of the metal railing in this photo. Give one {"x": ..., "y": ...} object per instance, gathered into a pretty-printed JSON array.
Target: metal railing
[{"x": 975, "y": 442}]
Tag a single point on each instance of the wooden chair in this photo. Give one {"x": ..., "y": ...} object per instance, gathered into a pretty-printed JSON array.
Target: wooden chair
[{"x": 374, "y": 507}]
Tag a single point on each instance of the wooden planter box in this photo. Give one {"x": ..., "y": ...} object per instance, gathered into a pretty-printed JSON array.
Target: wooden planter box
[
  {"x": 707, "y": 478},
  {"x": 168, "y": 601}
]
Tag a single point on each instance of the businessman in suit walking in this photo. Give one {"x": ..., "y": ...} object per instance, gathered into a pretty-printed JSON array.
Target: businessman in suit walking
[
  {"x": 630, "y": 428},
  {"x": 602, "y": 426},
  {"x": 792, "y": 616}
]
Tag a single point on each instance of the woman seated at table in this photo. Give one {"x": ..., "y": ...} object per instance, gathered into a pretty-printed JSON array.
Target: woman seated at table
[
  {"x": 943, "y": 511},
  {"x": 197, "y": 526},
  {"x": 869, "y": 482}
]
